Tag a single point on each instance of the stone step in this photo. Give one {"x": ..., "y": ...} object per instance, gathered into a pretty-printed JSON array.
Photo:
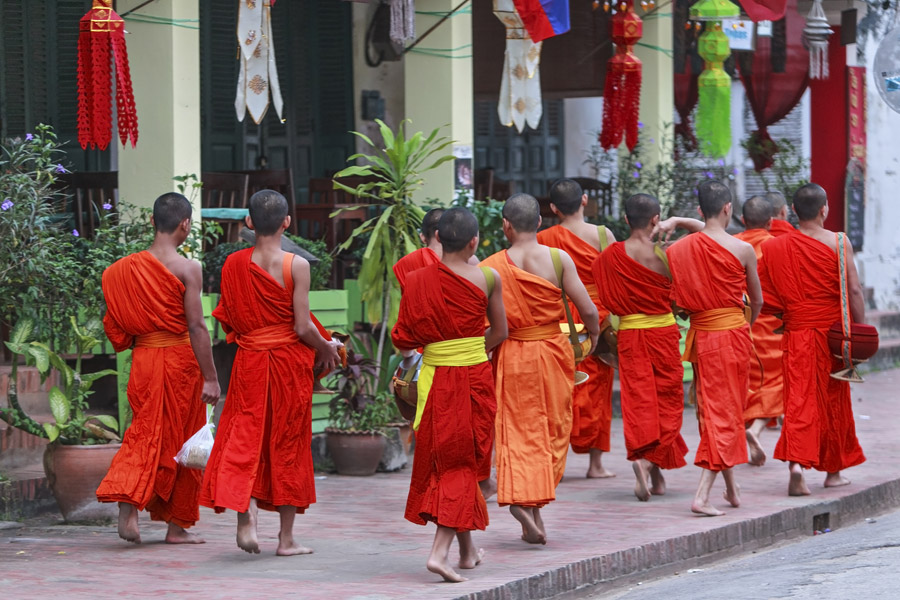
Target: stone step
[{"x": 887, "y": 322}]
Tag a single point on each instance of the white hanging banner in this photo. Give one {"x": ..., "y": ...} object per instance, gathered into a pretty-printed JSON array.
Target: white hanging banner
[
  {"x": 258, "y": 72},
  {"x": 520, "y": 83}
]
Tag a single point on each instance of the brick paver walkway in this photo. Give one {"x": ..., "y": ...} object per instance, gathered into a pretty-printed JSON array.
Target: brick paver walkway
[{"x": 365, "y": 549}]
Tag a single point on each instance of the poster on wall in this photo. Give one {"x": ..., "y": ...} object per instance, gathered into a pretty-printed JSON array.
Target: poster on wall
[
  {"x": 855, "y": 203},
  {"x": 463, "y": 173},
  {"x": 856, "y": 109}
]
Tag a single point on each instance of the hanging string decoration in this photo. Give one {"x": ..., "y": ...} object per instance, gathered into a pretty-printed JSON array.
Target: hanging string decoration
[
  {"x": 258, "y": 72},
  {"x": 816, "y": 34},
  {"x": 520, "y": 86},
  {"x": 714, "y": 84},
  {"x": 101, "y": 34},
  {"x": 622, "y": 92}
]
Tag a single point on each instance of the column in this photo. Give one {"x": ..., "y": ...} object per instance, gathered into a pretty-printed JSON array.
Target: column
[
  {"x": 657, "y": 88},
  {"x": 438, "y": 89}
]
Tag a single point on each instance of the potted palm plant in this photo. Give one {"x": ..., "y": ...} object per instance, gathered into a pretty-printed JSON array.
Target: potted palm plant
[{"x": 82, "y": 445}]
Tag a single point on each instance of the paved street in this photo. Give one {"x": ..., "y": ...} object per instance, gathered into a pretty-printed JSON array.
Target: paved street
[
  {"x": 857, "y": 562},
  {"x": 597, "y": 531}
]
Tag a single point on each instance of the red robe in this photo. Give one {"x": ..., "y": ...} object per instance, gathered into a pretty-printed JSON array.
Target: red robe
[
  {"x": 413, "y": 261},
  {"x": 592, "y": 403},
  {"x": 650, "y": 368},
  {"x": 534, "y": 378},
  {"x": 707, "y": 277},
  {"x": 145, "y": 307},
  {"x": 455, "y": 435},
  {"x": 766, "y": 397},
  {"x": 780, "y": 228},
  {"x": 800, "y": 277},
  {"x": 262, "y": 446}
]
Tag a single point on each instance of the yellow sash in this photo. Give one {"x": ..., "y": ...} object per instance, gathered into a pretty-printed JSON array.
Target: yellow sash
[
  {"x": 717, "y": 319},
  {"x": 461, "y": 352},
  {"x": 642, "y": 321}
]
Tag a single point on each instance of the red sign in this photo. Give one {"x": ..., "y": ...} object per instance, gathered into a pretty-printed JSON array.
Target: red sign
[{"x": 856, "y": 113}]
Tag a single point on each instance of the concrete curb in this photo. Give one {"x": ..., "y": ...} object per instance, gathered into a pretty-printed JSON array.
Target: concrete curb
[{"x": 751, "y": 534}]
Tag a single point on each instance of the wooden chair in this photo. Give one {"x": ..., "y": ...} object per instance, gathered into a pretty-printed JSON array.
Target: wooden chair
[
  {"x": 280, "y": 180},
  {"x": 600, "y": 197},
  {"x": 225, "y": 190},
  {"x": 88, "y": 192}
]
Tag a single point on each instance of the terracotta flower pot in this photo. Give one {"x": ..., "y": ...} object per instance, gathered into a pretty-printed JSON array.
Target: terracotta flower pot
[
  {"x": 354, "y": 453},
  {"x": 74, "y": 472}
]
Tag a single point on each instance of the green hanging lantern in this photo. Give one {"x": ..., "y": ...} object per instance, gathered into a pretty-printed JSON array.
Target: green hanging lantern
[{"x": 714, "y": 84}]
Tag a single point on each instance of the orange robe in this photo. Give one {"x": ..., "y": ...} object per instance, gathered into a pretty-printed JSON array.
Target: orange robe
[
  {"x": 780, "y": 228},
  {"x": 766, "y": 397},
  {"x": 709, "y": 283},
  {"x": 455, "y": 435},
  {"x": 592, "y": 403},
  {"x": 534, "y": 375},
  {"x": 413, "y": 261},
  {"x": 800, "y": 277},
  {"x": 145, "y": 307},
  {"x": 262, "y": 446},
  {"x": 650, "y": 368}
]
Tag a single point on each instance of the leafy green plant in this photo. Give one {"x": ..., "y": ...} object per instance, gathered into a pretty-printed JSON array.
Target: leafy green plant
[
  {"x": 357, "y": 405},
  {"x": 391, "y": 175},
  {"x": 489, "y": 214},
  {"x": 320, "y": 272},
  {"x": 68, "y": 401},
  {"x": 790, "y": 171}
]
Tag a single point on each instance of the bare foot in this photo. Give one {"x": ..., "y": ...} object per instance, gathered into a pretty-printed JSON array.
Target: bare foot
[
  {"x": 601, "y": 473},
  {"x": 733, "y": 495},
  {"x": 640, "y": 476},
  {"x": 288, "y": 547},
  {"x": 531, "y": 533},
  {"x": 539, "y": 521},
  {"x": 246, "y": 530},
  {"x": 705, "y": 510},
  {"x": 444, "y": 569},
  {"x": 488, "y": 487},
  {"x": 797, "y": 485},
  {"x": 469, "y": 560},
  {"x": 757, "y": 454},
  {"x": 836, "y": 480},
  {"x": 657, "y": 481},
  {"x": 178, "y": 535},
  {"x": 128, "y": 523}
]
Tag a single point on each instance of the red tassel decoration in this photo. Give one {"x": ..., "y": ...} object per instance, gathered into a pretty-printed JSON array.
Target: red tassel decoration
[
  {"x": 622, "y": 93},
  {"x": 102, "y": 33}
]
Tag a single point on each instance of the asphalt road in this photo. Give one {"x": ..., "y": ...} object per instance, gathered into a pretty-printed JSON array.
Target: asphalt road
[{"x": 860, "y": 562}]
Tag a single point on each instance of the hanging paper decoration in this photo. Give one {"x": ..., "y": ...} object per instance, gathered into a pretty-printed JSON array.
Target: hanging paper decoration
[
  {"x": 258, "y": 72},
  {"x": 520, "y": 86},
  {"x": 816, "y": 34},
  {"x": 542, "y": 19},
  {"x": 403, "y": 21},
  {"x": 714, "y": 84},
  {"x": 686, "y": 67},
  {"x": 765, "y": 10},
  {"x": 622, "y": 93},
  {"x": 102, "y": 32}
]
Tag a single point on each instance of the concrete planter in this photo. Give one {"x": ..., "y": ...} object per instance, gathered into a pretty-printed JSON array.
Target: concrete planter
[
  {"x": 355, "y": 453},
  {"x": 74, "y": 473}
]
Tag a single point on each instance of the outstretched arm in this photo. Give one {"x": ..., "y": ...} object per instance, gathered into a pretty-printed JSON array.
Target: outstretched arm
[
  {"x": 579, "y": 296},
  {"x": 199, "y": 333},
  {"x": 326, "y": 350},
  {"x": 496, "y": 314},
  {"x": 669, "y": 226}
]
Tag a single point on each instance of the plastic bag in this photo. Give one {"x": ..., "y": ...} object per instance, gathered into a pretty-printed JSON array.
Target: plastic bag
[{"x": 195, "y": 452}]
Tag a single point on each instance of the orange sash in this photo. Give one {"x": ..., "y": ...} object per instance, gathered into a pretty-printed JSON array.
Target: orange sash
[
  {"x": 716, "y": 319},
  {"x": 535, "y": 333},
  {"x": 162, "y": 339},
  {"x": 267, "y": 338}
]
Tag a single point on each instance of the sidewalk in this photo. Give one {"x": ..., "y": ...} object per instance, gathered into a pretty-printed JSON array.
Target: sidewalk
[{"x": 597, "y": 531}]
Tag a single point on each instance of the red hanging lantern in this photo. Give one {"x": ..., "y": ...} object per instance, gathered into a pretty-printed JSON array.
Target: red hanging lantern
[
  {"x": 102, "y": 32},
  {"x": 622, "y": 93}
]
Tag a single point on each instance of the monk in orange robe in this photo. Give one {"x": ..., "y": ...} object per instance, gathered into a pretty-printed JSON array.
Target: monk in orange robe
[
  {"x": 443, "y": 309},
  {"x": 780, "y": 224},
  {"x": 634, "y": 283},
  {"x": 710, "y": 270},
  {"x": 766, "y": 398},
  {"x": 261, "y": 457},
  {"x": 801, "y": 279},
  {"x": 429, "y": 255},
  {"x": 534, "y": 369},
  {"x": 153, "y": 305},
  {"x": 592, "y": 405}
]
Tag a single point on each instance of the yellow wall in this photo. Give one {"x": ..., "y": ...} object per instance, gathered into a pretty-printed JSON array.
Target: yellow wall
[{"x": 657, "y": 91}]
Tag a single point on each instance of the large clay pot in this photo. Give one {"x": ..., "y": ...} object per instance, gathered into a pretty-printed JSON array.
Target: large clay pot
[
  {"x": 354, "y": 453},
  {"x": 74, "y": 473}
]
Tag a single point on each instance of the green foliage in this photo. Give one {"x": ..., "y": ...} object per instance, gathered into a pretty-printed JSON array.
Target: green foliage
[
  {"x": 188, "y": 185},
  {"x": 320, "y": 272},
  {"x": 67, "y": 402},
  {"x": 489, "y": 214},
  {"x": 362, "y": 402},
  {"x": 790, "y": 171}
]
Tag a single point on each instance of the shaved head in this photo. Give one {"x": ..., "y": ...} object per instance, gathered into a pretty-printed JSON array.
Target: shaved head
[
  {"x": 169, "y": 211},
  {"x": 456, "y": 228},
  {"x": 523, "y": 212},
  {"x": 809, "y": 200},
  {"x": 757, "y": 212},
  {"x": 566, "y": 195},
  {"x": 430, "y": 223},
  {"x": 640, "y": 210},
  {"x": 776, "y": 199},
  {"x": 714, "y": 195},
  {"x": 268, "y": 209}
]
